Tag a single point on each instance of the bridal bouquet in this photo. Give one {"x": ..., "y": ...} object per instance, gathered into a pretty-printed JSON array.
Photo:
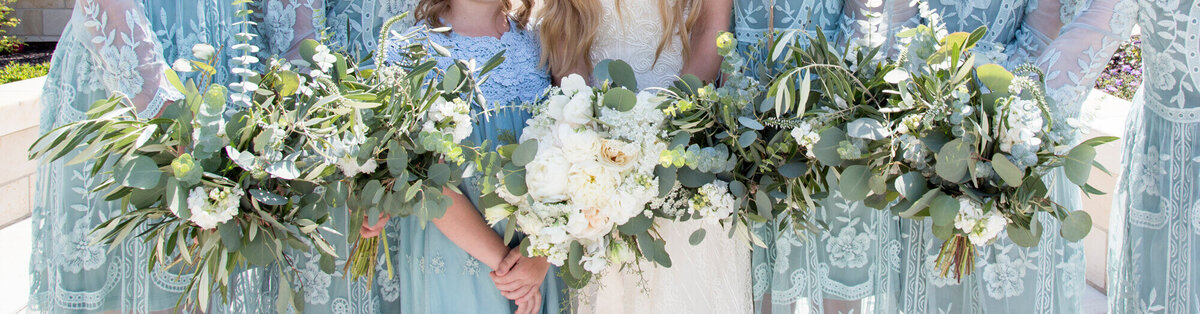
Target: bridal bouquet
[
  {"x": 584, "y": 183},
  {"x": 965, "y": 144}
]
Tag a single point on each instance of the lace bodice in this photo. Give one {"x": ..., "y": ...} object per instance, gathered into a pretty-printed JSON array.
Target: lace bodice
[
  {"x": 753, "y": 18},
  {"x": 631, "y": 33},
  {"x": 519, "y": 78}
]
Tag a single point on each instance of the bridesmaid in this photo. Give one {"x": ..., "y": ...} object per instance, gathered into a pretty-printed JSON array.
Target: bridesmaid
[
  {"x": 449, "y": 267},
  {"x": 1072, "y": 43},
  {"x": 851, "y": 266},
  {"x": 354, "y": 25},
  {"x": 110, "y": 46},
  {"x": 1152, "y": 261}
]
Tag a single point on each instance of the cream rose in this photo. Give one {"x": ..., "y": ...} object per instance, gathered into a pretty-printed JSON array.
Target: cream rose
[
  {"x": 578, "y": 111},
  {"x": 546, "y": 176},
  {"x": 620, "y": 155}
]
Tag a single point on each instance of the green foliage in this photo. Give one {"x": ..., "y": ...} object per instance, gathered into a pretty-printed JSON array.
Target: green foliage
[
  {"x": 22, "y": 71},
  {"x": 8, "y": 44}
]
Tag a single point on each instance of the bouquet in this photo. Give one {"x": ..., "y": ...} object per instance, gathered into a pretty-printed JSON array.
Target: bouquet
[
  {"x": 766, "y": 139},
  {"x": 963, "y": 143},
  {"x": 234, "y": 177},
  {"x": 585, "y": 183}
]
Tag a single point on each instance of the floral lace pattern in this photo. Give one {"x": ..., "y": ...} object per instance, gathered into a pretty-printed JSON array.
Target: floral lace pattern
[
  {"x": 631, "y": 33},
  {"x": 107, "y": 46},
  {"x": 1154, "y": 227}
]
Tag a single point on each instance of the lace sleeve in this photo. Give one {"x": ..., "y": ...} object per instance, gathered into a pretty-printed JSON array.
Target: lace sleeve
[
  {"x": 118, "y": 37},
  {"x": 288, "y": 22},
  {"x": 1075, "y": 56}
]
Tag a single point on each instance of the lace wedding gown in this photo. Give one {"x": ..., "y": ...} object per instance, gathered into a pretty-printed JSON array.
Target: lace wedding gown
[{"x": 712, "y": 277}]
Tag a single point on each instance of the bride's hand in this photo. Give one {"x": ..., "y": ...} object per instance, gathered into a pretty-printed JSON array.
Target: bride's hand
[{"x": 518, "y": 276}]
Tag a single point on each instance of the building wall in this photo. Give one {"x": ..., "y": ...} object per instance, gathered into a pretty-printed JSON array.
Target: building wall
[{"x": 41, "y": 20}]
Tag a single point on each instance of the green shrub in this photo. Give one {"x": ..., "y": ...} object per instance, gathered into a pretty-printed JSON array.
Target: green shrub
[
  {"x": 8, "y": 44},
  {"x": 20, "y": 71}
]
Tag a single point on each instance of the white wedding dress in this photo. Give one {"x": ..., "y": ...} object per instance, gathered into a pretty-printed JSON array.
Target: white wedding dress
[{"x": 712, "y": 277}]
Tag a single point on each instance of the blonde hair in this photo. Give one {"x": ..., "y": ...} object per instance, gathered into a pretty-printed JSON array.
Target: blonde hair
[
  {"x": 431, "y": 11},
  {"x": 569, "y": 27}
]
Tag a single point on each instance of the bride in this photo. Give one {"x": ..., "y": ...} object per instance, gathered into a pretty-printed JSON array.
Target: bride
[{"x": 660, "y": 39}]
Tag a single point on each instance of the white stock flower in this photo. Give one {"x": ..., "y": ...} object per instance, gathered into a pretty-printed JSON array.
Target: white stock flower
[
  {"x": 805, "y": 135},
  {"x": 323, "y": 58},
  {"x": 980, "y": 228},
  {"x": 546, "y": 176},
  {"x": 212, "y": 207}
]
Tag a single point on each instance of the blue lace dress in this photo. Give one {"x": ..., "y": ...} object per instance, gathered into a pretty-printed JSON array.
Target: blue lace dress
[
  {"x": 354, "y": 25},
  {"x": 1154, "y": 239},
  {"x": 436, "y": 276},
  {"x": 109, "y": 46},
  {"x": 1071, "y": 42},
  {"x": 851, "y": 267}
]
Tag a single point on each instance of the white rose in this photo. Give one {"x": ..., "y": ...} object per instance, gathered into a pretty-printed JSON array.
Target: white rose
[
  {"x": 624, "y": 206},
  {"x": 574, "y": 84},
  {"x": 554, "y": 106},
  {"x": 546, "y": 176},
  {"x": 203, "y": 51},
  {"x": 578, "y": 145},
  {"x": 578, "y": 111},
  {"x": 591, "y": 184}
]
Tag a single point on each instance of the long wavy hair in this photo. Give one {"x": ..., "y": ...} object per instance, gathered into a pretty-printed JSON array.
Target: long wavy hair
[
  {"x": 568, "y": 30},
  {"x": 431, "y": 11}
]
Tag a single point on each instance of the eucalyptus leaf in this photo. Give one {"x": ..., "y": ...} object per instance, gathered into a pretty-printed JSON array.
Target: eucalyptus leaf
[
  {"x": 826, "y": 148},
  {"x": 943, "y": 210},
  {"x": 696, "y": 237},
  {"x": 854, "y": 182},
  {"x": 620, "y": 99},
  {"x": 953, "y": 161},
  {"x": 1076, "y": 226},
  {"x": 525, "y": 153},
  {"x": 267, "y": 197},
  {"x": 1009, "y": 172},
  {"x": 622, "y": 74},
  {"x": 1078, "y": 164},
  {"x": 139, "y": 172}
]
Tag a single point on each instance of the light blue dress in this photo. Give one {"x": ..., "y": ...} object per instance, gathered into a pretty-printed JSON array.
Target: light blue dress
[
  {"x": 108, "y": 46},
  {"x": 350, "y": 27},
  {"x": 436, "y": 276},
  {"x": 1072, "y": 42},
  {"x": 851, "y": 267},
  {"x": 1154, "y": 239}
]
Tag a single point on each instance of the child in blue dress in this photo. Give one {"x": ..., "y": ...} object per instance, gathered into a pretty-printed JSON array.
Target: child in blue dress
[{"x": 449, "y": 267}]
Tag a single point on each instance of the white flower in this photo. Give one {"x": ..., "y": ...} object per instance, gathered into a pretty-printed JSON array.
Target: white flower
[
  {"x": 594, "y": 260},
  {"x": 574, "y": 84},
  {"x": 714, "y": 202},
  {"x": 805, "y": 135},
  {"x": 497, "y": 213},
  {"x": 203, "y": 51},
  {"x": 212, "y": 207},
  {"x": 449, "y": 117},
  {"x": 619, "y": 252},
  {"x": 617, "y": 154},
  {"x": 980, "y": 228},
  {"x": 589, "y": 223},
  {"x": 323, "y": 58},
  {"x": 546, "y": 176},
  {"x": 554, "y": 106},
  {"x": 181, "y": 65},
  {"x": 578, "y": 145},
  {"x": 624, "y": 206},
  {"x": 578, "y": 111},
  {"x": 591, "y": 184}
]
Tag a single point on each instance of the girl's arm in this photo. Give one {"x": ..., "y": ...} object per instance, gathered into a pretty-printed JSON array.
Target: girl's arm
[
  {"x": 703, "y": 60},
  {"x": 463, "y": 225},
  {"x": 118, "y": 36}
]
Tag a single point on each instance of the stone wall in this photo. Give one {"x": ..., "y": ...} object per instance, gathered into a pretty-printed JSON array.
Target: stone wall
[
  {"x": 41, "y": 20},
  {"x": 21, "y": 105}
]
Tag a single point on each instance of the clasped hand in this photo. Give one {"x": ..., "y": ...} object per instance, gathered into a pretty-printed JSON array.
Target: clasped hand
[{"x": 519, "y": 278}]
